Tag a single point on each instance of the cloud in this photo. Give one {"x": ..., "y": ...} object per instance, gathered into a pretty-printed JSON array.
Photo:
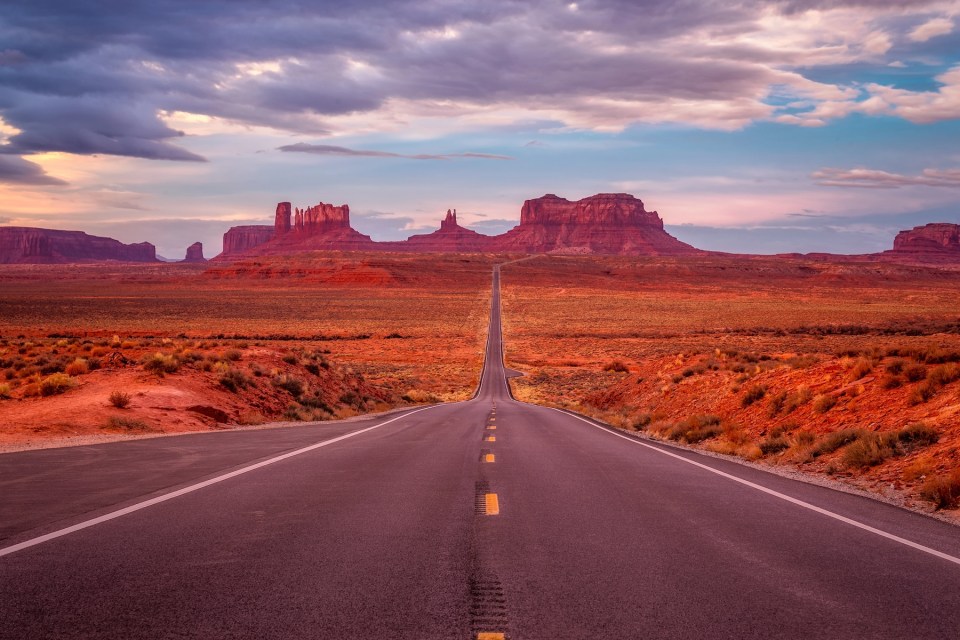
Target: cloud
[
  {"x": 876, "y": 179},
  {"x": 931, "y": 29},
  {"x": 332, "y": 150},
  {"x": 98, "y": 82},
  {"x": 16, "y": 170}
]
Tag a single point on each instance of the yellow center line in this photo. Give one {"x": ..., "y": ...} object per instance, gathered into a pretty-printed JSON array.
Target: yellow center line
[
  {"x": 491, "y": 438},
  {"x": 491, "y": 635},
  {"x": 492, "y": 427},
  {"x": 489, "y": 458},
  {"x": 492, "y": 507}
]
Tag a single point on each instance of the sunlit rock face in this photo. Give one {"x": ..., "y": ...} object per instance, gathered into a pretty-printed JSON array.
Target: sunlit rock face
[
  {"x": 938, "y": 239},
  {"x": 613, "y": 223},
  {"x": 195, "y": 253},
  {"x": 31, "y": 245}
]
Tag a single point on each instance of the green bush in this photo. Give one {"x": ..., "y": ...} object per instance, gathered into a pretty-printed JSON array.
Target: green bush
[
  {"x": 55, "y": 384},
  {"x": 160, "y": 364}
]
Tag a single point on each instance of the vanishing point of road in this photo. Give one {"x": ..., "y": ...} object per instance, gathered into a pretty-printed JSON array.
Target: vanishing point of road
[{"x": 485, "y": 519}]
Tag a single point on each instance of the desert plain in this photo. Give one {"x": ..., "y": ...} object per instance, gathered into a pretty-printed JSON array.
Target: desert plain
[{"x": 841, "y": 370}]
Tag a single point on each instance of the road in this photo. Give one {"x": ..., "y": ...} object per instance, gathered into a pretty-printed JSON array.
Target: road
[{"x": 466, "y": 520}]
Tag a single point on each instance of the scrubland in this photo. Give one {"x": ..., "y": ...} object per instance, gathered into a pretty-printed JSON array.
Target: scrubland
[
  {"x": 850, "y": 370},
  {"x": 306, "y": 337}
]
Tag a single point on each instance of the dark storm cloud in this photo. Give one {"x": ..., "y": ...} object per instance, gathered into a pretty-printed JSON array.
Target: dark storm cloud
[
  {"x": 90, "y": 77},
  {"x": 15, "y": 170},
  {"x": 333, "y": 150}
]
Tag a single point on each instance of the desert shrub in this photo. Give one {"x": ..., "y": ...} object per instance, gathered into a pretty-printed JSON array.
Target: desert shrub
[
  {"x": 804, "y": 438},
  {"x": 870, "y": 449},
  {"x": 120, "y": 399},
  {"x": 77, "y": 367},
  {"x": 99, "y": 351},
  {"x": 797, "y": 399},
  {"x": 617, "y": 366},
  {"x": 160, "y": 364},
  {"x": 773, "y": 445},
  {"x": 312, "y": 367},
  {"x": 918, "y": 434},
  {"x": 777, "y": 403},
  {"x": 824, "y": 403},
  {"x": 642, "y": 421},
  {"x": 55, "y": 384},
  {"x": 291, "y": 384},
  {"x": 859, "y": 369},
  {"x": 943, "y": 490},
  {"x": 234, "y": 379},
  {"x": 943, "y": 375},
  {"x": 256, "y": 369},
  {"x": 891, "y": 381},
  {"x": 315, "y": 402},
  {"x": 923, "y": 393},
  {"x": 4, "y": 391},
  {"x": 291, "y": 358},
  {"x": 753, "y": 394},
  {"x": 696, "y": 429},
  {"x": 251, "y": 417},
  {"x": 130, "y": 424},
  {"x": 833, "y": 441},
  {"x": 418, "y": 396},
  {"x": 915, "y": 372},
  {"x": 233, "y": 355},
  {"x": 895, "y": 367}
]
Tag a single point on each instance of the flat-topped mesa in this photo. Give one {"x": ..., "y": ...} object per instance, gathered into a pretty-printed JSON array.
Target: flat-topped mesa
[
  {"x": 32, "y": 245},
  {"x": 603, "y": 209},
  {"x": 610, "y": 223},
  {"x": 935, "y": 237},
  {"x": 239, "y": 240}
]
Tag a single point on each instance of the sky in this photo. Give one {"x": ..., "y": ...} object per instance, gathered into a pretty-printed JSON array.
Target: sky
[{"x": 754, "y": 126}]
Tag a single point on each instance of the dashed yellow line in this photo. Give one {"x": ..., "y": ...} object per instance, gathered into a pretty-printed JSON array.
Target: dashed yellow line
[
  {"x": 491, "y": 635},
  {"x": 492, "y": 505},
  {"x": 491, "y": 438},
  {"x": 489, "y": 458},
  {"x": 492, "y": 427}
]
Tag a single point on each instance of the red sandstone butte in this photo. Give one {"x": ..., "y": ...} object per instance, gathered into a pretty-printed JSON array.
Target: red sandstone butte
[
  {"x": 613, "y": 223},
  {"x": 449, "y": 238},
  {"x": 935, "y": 240},
  {"x": 31, "y": 245},
  {"x": 195, "y": 253}
]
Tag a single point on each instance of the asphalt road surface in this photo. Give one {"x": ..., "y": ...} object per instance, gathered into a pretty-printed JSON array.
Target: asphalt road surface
[{"x": 482, "y": 519}]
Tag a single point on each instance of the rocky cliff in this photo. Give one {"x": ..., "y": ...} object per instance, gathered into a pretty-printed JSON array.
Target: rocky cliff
[
  {"x": 195, "y": 253},
  {"x": 239, "y": 240},
  {"x": 611, "y": 223},
  {"x": 935, "y": 240},
  {"x": 30, "y": 245}
]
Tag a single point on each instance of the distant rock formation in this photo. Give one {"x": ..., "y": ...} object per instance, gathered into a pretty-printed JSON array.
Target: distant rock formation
[
  {"x": 937, "y": 239},
  {"x": 239, "y": 240},
  {"x": 31, "y": 245},
  {"x": 195, "y": 253},
  {"x": 320, "y": 227},
  {"x": 612, "y": 223},
  {"x": 449, "y": 238}
]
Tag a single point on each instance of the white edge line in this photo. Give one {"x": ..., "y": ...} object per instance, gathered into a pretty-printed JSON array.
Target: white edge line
[
  {"x": 776, "y": 494},
  {"x": 194, "y": 487}
]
